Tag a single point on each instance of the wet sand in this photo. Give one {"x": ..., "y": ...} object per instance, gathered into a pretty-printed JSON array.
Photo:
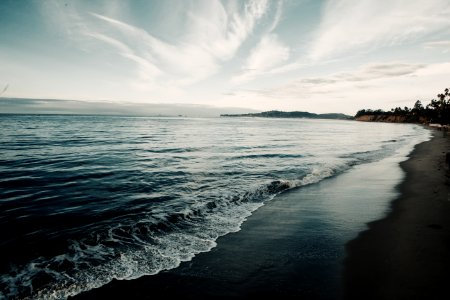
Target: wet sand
[
  {"x": 407, "y": 254},
  {"x": 295, "y": 245}
]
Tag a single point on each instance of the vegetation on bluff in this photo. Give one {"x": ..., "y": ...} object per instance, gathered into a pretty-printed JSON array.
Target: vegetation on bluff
[
  {"x": 437, "y": 111},
  {"x": 291, "y": 114}
]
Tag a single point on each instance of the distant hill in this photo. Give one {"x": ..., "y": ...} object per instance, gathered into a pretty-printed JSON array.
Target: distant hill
[{"x": 291, "y": 114}]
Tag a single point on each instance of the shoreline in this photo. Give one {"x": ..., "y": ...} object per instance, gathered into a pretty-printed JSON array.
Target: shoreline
[
  {"x": 293, "y": 246},
  {"x": 406, "y": 254}
]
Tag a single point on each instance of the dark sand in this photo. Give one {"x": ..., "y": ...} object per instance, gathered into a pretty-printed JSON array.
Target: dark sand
[
  {"x": 407, "y": 254},
  {"x": 294, "y": 246}
]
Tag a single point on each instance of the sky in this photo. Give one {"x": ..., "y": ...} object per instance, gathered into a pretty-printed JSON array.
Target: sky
[{"x": 305, "y": 55}]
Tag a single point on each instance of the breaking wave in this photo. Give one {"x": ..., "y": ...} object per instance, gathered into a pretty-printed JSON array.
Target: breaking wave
[{"x": 118, "y": 198}]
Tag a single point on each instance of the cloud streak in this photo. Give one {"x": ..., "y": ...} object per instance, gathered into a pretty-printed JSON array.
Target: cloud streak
[
  {"x": 267, "y": 54},
  {"x": 333, "y": 84},
  {"x": 370, "y": 86},
  {"x": 220, "y": 30},
  {"x": 348, "y": 25},
  {"x": 440, "y": 45},
  {"x": 379, "y": 71},
  {"x": 252, "y": 52},
  {"x": 213, "y": 34},
  {"x": 365, "y": 73}
]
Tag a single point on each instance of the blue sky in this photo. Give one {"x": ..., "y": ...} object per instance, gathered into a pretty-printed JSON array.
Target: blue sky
[{"x": 318, "y": 56}]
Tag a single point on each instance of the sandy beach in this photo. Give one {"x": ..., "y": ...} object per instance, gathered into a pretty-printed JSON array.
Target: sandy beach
[
  {"x": 406, "y": 254},
  {"x": 225, "y": 149},
  {"x": 295, "y": 245}
]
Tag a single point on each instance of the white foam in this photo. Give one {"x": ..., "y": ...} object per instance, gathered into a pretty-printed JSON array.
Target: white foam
[{"x": 135, "y": 255}]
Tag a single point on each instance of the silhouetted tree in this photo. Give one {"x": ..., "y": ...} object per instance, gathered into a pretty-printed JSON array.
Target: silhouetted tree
[
  {"x": 418, "y": 107},
  {"x": 437, "y": 111}
]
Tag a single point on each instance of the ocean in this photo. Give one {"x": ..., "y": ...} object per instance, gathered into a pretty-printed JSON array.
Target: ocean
[{"x": 88, "y": 199}]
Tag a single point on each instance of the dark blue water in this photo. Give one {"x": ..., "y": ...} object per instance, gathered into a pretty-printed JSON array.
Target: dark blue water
[{"x": 85, "y": 199}]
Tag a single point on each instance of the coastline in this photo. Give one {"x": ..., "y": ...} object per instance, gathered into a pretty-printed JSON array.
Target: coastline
[
  {"x": 405, "y": 255},
  {"x": 293, "y": 246}
]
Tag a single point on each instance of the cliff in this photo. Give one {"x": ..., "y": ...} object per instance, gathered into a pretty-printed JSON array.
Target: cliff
[{"x": 391, "y": 118}]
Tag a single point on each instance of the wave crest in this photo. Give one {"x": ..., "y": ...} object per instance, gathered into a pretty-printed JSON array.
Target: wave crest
[{"x": 143, "y": 247}]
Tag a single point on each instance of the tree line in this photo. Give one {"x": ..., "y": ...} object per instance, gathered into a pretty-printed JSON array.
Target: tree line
[{"x": 437, "y": 111}]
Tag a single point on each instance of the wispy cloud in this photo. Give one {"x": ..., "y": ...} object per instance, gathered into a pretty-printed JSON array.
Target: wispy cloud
[
  {"x": 348, "y": 25},
  {"x": 146, "y": 69},
  {"x": 441, "y": 45},
  {"x": 65, "y": 20},
  {"x": 206, "y": 51},
  {"x": 278, "y": 16},
  {"x": 369, "y": 86},
  {"x": 213, "y": 33},
  {"x": 267, "y": 54},
  {"x": 363, "y": 76},
  {"x": 220, "y": 30},
  {"x": 377, "y": 71}
]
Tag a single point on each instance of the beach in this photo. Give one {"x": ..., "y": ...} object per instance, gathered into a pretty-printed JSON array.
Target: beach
[
  {"x": 295, "y": 246},
  {"x": 224, "y": 149},
  {"x": 406, "y": 254}
]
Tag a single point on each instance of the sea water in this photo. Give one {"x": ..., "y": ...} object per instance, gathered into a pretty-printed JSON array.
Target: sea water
[{"x": 86, "y": 199}]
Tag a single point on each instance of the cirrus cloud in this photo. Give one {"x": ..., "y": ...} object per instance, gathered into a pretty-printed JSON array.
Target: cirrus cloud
[{"x": 351, "y": 25}]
